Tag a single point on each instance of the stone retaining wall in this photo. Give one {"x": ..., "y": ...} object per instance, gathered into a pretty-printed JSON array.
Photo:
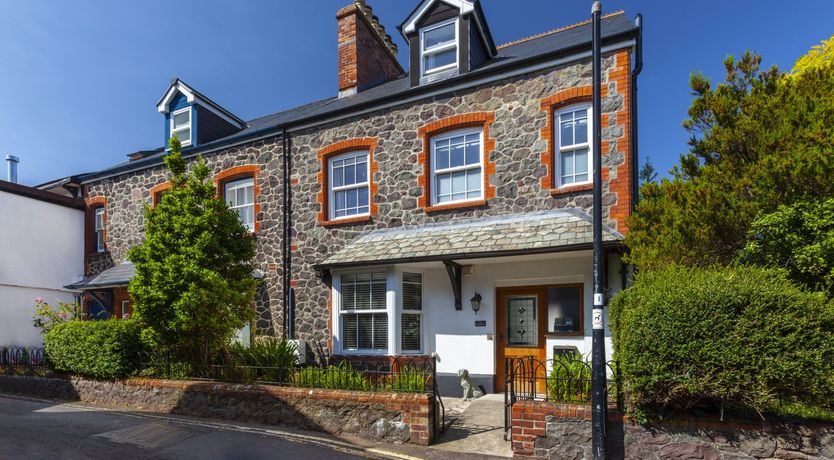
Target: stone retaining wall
[
  {"x": 391, "y": 417},
  {"x": 563, "y": 431}
]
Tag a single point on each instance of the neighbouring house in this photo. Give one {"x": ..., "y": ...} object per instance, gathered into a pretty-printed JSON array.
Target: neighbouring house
[
  {"x": 444, "y": 209},
  {"x": 40, "y": 253}
]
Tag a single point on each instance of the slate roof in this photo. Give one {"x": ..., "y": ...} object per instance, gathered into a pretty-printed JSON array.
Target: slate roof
[
  {"x": 527, "y": 51},
  {"x": 538, "y": 232},
  {"x": 120, "y": 276}
]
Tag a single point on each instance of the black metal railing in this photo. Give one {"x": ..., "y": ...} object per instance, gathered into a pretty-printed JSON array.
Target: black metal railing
[
  {"x": 564, "y": 380},
  {"x": 29, "y": 361}
]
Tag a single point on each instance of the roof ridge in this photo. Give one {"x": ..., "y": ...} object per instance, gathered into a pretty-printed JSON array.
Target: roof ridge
[{"x": 553, "y": 31}]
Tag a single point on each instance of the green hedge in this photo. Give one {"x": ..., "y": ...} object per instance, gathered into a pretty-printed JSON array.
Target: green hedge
[
  {"x": 101, "y": 349},
  {"x": 748, "y": 337}
]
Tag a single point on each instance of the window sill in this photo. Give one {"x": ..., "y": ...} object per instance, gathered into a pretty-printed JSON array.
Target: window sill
[
  {"x": 347, "y": 221},
  {"x": 454, "y": 206},
  {"x": 571, "y": 189}
]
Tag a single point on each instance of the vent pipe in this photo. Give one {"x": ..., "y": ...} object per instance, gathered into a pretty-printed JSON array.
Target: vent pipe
[{"x": 12, "y": 168}]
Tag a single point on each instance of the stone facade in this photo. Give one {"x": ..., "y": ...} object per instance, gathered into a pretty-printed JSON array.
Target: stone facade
[
  {"x": 516, "y": 125},
  {"x": 390, "y": 417},
  {"x": 125, "y": 196},
  {"x": 563, "y": 431},
  {"x": 516, "y": 113}
]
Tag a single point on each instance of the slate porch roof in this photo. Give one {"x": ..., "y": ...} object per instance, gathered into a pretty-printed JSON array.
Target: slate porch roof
[
  {"x": 538, "y": 232},
  {"x": 119, "y": 276}
]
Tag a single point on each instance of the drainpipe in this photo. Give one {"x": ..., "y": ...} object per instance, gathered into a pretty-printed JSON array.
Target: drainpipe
[
  {"x": 286, "y": 238},
  {"x": 12, "y": 168},
  {"x": 638, "y": 67}
]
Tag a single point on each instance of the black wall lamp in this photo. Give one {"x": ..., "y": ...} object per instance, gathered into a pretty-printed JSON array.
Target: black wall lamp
[{"x": 476, "y": 302}]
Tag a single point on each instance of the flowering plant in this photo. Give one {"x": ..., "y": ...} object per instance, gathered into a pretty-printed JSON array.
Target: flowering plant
[{"x": 46, "y": 317}]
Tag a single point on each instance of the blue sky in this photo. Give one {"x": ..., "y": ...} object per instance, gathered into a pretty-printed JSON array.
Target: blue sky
[{"x": 79, "y": 80}]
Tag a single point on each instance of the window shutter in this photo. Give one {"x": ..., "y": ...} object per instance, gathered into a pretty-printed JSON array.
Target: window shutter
[
  {"x": 412, "y": 291},
  {"x": 411, "y": 332}
]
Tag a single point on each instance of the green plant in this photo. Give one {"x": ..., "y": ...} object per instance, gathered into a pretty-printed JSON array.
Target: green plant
[
  {"x": 46, "y": 317},
  {"x": 716, "y": 337},
  {"x": 570, "y": 379},
  {"x": 339, "y": 377},
  {"x": 106, "y": 349},
  {"x": 271, "y": 359},
  {"x": 757, "y": 140},
  {"x": 193, "y": 286},
  {"x": 798, "y": 238},
  {"x": 408, "y": 379}
]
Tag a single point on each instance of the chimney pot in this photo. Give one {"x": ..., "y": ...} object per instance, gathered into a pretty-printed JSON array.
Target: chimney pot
[{"x": 12, "y": 168}]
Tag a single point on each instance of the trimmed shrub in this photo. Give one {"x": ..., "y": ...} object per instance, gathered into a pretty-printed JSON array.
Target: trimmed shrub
[
  {"x": 739, "y": 336},
  {"x": 100, "y": 349}
]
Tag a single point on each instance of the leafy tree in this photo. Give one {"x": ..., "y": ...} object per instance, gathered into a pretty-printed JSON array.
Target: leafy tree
[
  {"x": 798, "y": 238},
  {"x": 758, "y": 140},
  {"x": 820, "y": 56},
  {"x": 193, "y": 286}
]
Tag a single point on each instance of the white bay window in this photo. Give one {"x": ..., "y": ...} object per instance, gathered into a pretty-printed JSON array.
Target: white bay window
[{"x": 378, "y": 312}]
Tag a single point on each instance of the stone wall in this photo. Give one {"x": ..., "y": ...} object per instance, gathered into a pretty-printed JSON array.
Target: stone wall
[
  {"x": 518, "y": 111},
  {"x": 563, "y": 431},
  {"x": 390, "y": 417},
  {"x": 125, "y": 196}
]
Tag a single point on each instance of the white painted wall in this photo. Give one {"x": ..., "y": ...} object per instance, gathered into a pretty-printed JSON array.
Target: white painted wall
[
  {"x": 41, "y": 250},
  {"x": 453, "y": 334}
]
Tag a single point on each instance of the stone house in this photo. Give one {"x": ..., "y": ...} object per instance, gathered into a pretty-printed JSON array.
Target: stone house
[{"x": 441, "y": 210}]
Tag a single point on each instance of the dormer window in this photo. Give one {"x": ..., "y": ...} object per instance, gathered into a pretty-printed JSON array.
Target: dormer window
[
  {"x": 181, "y": 125},
  {"x": 439, "y": 47}
]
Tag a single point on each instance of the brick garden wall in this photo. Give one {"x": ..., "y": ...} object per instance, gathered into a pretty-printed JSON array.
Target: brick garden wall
[
  {"x": 390, "y": 417},
  {"x": 547, "y": 430}
]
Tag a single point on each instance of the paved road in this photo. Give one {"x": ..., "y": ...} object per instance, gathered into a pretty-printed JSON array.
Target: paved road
[{"x": 33, "y": 429}]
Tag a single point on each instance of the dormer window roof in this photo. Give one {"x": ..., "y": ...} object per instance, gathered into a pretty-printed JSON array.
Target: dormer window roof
[
  {"x": 194, "y": 118},
  {"x": 446, "y": 38}
]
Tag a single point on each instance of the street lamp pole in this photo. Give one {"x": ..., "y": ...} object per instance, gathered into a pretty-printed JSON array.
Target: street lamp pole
[{"x": 599, "y": 400}]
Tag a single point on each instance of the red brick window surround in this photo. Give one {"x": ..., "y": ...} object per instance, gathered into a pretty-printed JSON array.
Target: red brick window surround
[
  {"x": 551, "y": 105},
  {"x": 157, "y": 191},
  {"x": 232, "y": 174},
  {"x": 332, "y": 151},
  {"x": 430, "y": 131},
  {"x": 90, "y": 239}
]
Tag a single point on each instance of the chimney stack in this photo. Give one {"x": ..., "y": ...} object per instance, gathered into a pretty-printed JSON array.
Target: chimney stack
[
  {"x": 12, "y": 171},
  {"x": 367, "y": 55}
]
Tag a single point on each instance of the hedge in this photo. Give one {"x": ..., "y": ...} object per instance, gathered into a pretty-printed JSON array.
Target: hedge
[
  {"x": 738, "y": 336},
  {"x": 101, "y": 349}
]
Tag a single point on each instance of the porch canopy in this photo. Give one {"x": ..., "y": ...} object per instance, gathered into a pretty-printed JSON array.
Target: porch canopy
[
  {"x": 120, "y": 276},
  {"x": 555, "y": 230}
]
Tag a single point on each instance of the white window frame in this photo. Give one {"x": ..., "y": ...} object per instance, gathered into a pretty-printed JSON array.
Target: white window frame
[
  {"x": 435, "y": 188},
  {"x": 99, "y": 229},
  {"x": 125, "y": 303},
  {"x": 184, "y": 127},
  {"x": 403, "y": 311},
  {"x": 331, "y": 199},
  {"x": 390, "y": 297},
  {"x": 235, "y": 184},
  {"x": 558, "y": 149},
  {"x": 439, "y": 48}
]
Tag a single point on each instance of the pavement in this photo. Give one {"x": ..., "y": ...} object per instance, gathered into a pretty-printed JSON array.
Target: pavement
[
  {"x": 42, "y": 429},
  {"x": 39, "y": 429}
]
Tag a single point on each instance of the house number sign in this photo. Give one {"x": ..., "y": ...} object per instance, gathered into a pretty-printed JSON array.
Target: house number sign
[{"x": 480, "y": 323}]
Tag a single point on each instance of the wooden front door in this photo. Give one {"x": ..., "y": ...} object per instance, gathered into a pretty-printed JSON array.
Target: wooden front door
[{"x": 520, "y": 326}]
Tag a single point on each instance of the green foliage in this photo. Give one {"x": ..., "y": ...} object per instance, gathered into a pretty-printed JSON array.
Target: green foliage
[
  {"x": 798, "y": 238},
  {"x": 46, "y": 317},
  {"x": 758, "y": 140},
  {"x": 275, "y": 358},
  {"x": 570, "y": 379},
  {"x": 193, "y": 286},
  {"x": 408, "y": 379},
  {"x": 821, "y": 55},
  {"x": 736, "y": 336},
  {"x": 339, "y": 377},
  {"x": 106, "y": 349}
]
